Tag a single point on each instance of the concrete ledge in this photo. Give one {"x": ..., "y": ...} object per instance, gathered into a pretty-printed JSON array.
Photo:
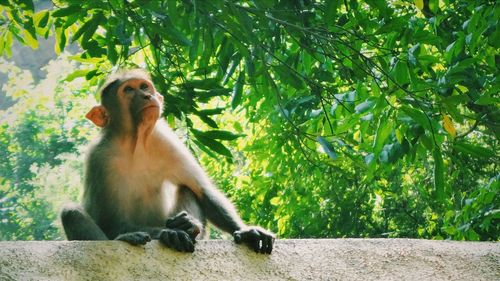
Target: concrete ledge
[{"x": 322, "y": 259}]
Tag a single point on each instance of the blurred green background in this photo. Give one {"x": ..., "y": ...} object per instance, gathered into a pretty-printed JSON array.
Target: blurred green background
[{"x": 317, "y": 118}]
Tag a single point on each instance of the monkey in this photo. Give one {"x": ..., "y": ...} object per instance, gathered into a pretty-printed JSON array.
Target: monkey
[{"x": 141, "y": 181}]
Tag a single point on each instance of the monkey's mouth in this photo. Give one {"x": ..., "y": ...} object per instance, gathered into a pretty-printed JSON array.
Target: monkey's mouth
[{"x": 150, "y": 107}]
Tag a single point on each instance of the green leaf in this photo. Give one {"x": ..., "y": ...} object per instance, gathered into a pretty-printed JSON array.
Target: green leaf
[
  {"x": 195, "y": 39},
  {"x": 206, "y": 96},
  {"x": 419, "y": 4},
  {"x": 238, "y": 90},
  {"x": 221, "y": 135},
  {"x": 392, "y": 152},
  {"x": 214, "y": 145},
  {"x": 209, "y": 121},
  {"x": 29, "y": 26},
  {"x": 438, "y": 174},
  {"x": 289, "y": 76},
  {"x": 487, "y": 99},
  {"x": 172, "y": 34},
  {"x": 474, "y": 150},
  {"x": 212, "y": 111},
  {"x": 368, "y": 104},
  {"x": 413, "y": 54},
  {"x": 89, "y": 32},
  {"x": 41, "y": 18},
  {"x": 384, "y": 129},
  {"x": 67, "y": 11},
  {"x": 60, "y": 40},
  {"x": 369, "y": 158},
  {"x": 76, "y": 74},
  {"x": 327, "y": 147},
  {"x": 331, "y": 11},
  {"x": 217, "y": 134},
  {"x": 208, "y": 47},
  {"x": 434, "y": 6},
  {"x": 205, "y": 149},
  {"x": 112, "y": 54},
  {"x": 235, "y": 61},
  {"x": 91, "y": 74},
  {"x": 275, "y": 201},
  {"x": 83, "y": 29},
  {"x": 29, "y": 40},
  {"x": 245, "y": 21},
  {"x": 205, "y": 84},
  {"x": 400, "y": 73},
  {"x": 27, "y": 4},
  {"x": 2, "y": 44},
  {"x": 426, "y": 142},
  {"x": 417, "y": 116},
  {"x": 250, "y": 69}
]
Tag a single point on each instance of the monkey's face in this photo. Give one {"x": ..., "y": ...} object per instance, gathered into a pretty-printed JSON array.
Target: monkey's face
[
  {"x": 128, "y": 101},
  {"x": 140, "y": 97}
]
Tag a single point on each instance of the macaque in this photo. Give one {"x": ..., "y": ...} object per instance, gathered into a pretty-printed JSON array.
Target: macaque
[{"x": 141, "y": 181}]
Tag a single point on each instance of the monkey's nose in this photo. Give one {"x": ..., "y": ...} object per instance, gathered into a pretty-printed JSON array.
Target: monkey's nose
[{"x": 147, "y": 97}]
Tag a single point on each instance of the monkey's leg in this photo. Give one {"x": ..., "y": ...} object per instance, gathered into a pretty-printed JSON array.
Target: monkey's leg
[
  {"x": 189, "y": 215},
  {"x": 78, "y": 225}
]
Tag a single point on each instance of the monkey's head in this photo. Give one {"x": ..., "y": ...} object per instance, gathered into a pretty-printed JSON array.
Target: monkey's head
[{"x": 128, "y": 99}]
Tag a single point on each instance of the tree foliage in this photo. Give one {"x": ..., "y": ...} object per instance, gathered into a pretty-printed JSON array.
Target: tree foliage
[
  {"x": 40, "y": 137},
  {"x": 360, "y": 118}
]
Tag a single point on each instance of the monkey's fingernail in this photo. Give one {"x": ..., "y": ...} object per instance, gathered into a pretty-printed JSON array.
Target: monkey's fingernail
[{"x": 237, "y": 238}]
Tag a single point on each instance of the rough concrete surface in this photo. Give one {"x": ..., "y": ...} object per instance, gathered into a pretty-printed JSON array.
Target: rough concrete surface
[{"x": 322, "y": 259}]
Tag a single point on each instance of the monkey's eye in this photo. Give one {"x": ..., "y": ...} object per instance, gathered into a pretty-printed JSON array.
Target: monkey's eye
[
  {"x": 128, "y": 89},
  {"x": 144, "y": 86}
]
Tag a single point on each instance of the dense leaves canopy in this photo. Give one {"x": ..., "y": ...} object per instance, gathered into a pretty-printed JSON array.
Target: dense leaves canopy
[{"x": 360, "y": 118}]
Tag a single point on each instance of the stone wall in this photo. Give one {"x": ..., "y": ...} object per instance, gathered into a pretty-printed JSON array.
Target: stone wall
[{"x": 322, "y": 259}]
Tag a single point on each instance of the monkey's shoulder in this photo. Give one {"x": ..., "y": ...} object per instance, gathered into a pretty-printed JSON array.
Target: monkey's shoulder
[{"x": 99, "y": 151}]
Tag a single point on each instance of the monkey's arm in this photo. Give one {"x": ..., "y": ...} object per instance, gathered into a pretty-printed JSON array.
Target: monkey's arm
[
  {"x": 221, "y": 212},
  {"x": 216, "y": 207}
]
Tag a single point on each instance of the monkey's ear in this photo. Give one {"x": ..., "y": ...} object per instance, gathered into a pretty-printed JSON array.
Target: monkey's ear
[
  {"x": 98, "y": 115},
  {"x": 160, "y": 96}
]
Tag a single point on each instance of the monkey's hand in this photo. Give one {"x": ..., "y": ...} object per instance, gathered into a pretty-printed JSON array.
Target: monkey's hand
[
  {"x": 135, "y": 238},
  {"x": 258, "y": 239},
  {"x": 177, "y": 239},
  {"x": 187, "y": 223}
]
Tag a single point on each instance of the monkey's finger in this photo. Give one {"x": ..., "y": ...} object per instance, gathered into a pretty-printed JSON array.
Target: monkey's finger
[
  {"x": 169, "y": 222},
  {"x": 182, "y": 214},
  {"x": 260, "y": 242},
  {"x": 144, "y": 236},
  {"x": 256, "y": 244},
  {"x": 248, "y": 235},
  {"x": 174, "y": 241},
  {"x": 265, "y": 241},
  {"x": 141, "y": 239},
  {"x": 179, "y": 217},
  {"x": 169, "y": 238},
  {"x": 267, "y": 244},
  {"x": 184, "y": 225},
  {"x": 237, "y": 237},
  {"x": 252, "y": 238},
  {"x": 180, "y": 224},
  {"x": 262, "y": 245},
  {"x": 185, "y": 241},
  {"x": 135, "y": 238},
  {"x": 193, "y": 231}
]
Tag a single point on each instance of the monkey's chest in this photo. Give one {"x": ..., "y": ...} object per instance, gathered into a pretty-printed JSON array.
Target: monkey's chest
[{"x": 144, "y": 196}]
